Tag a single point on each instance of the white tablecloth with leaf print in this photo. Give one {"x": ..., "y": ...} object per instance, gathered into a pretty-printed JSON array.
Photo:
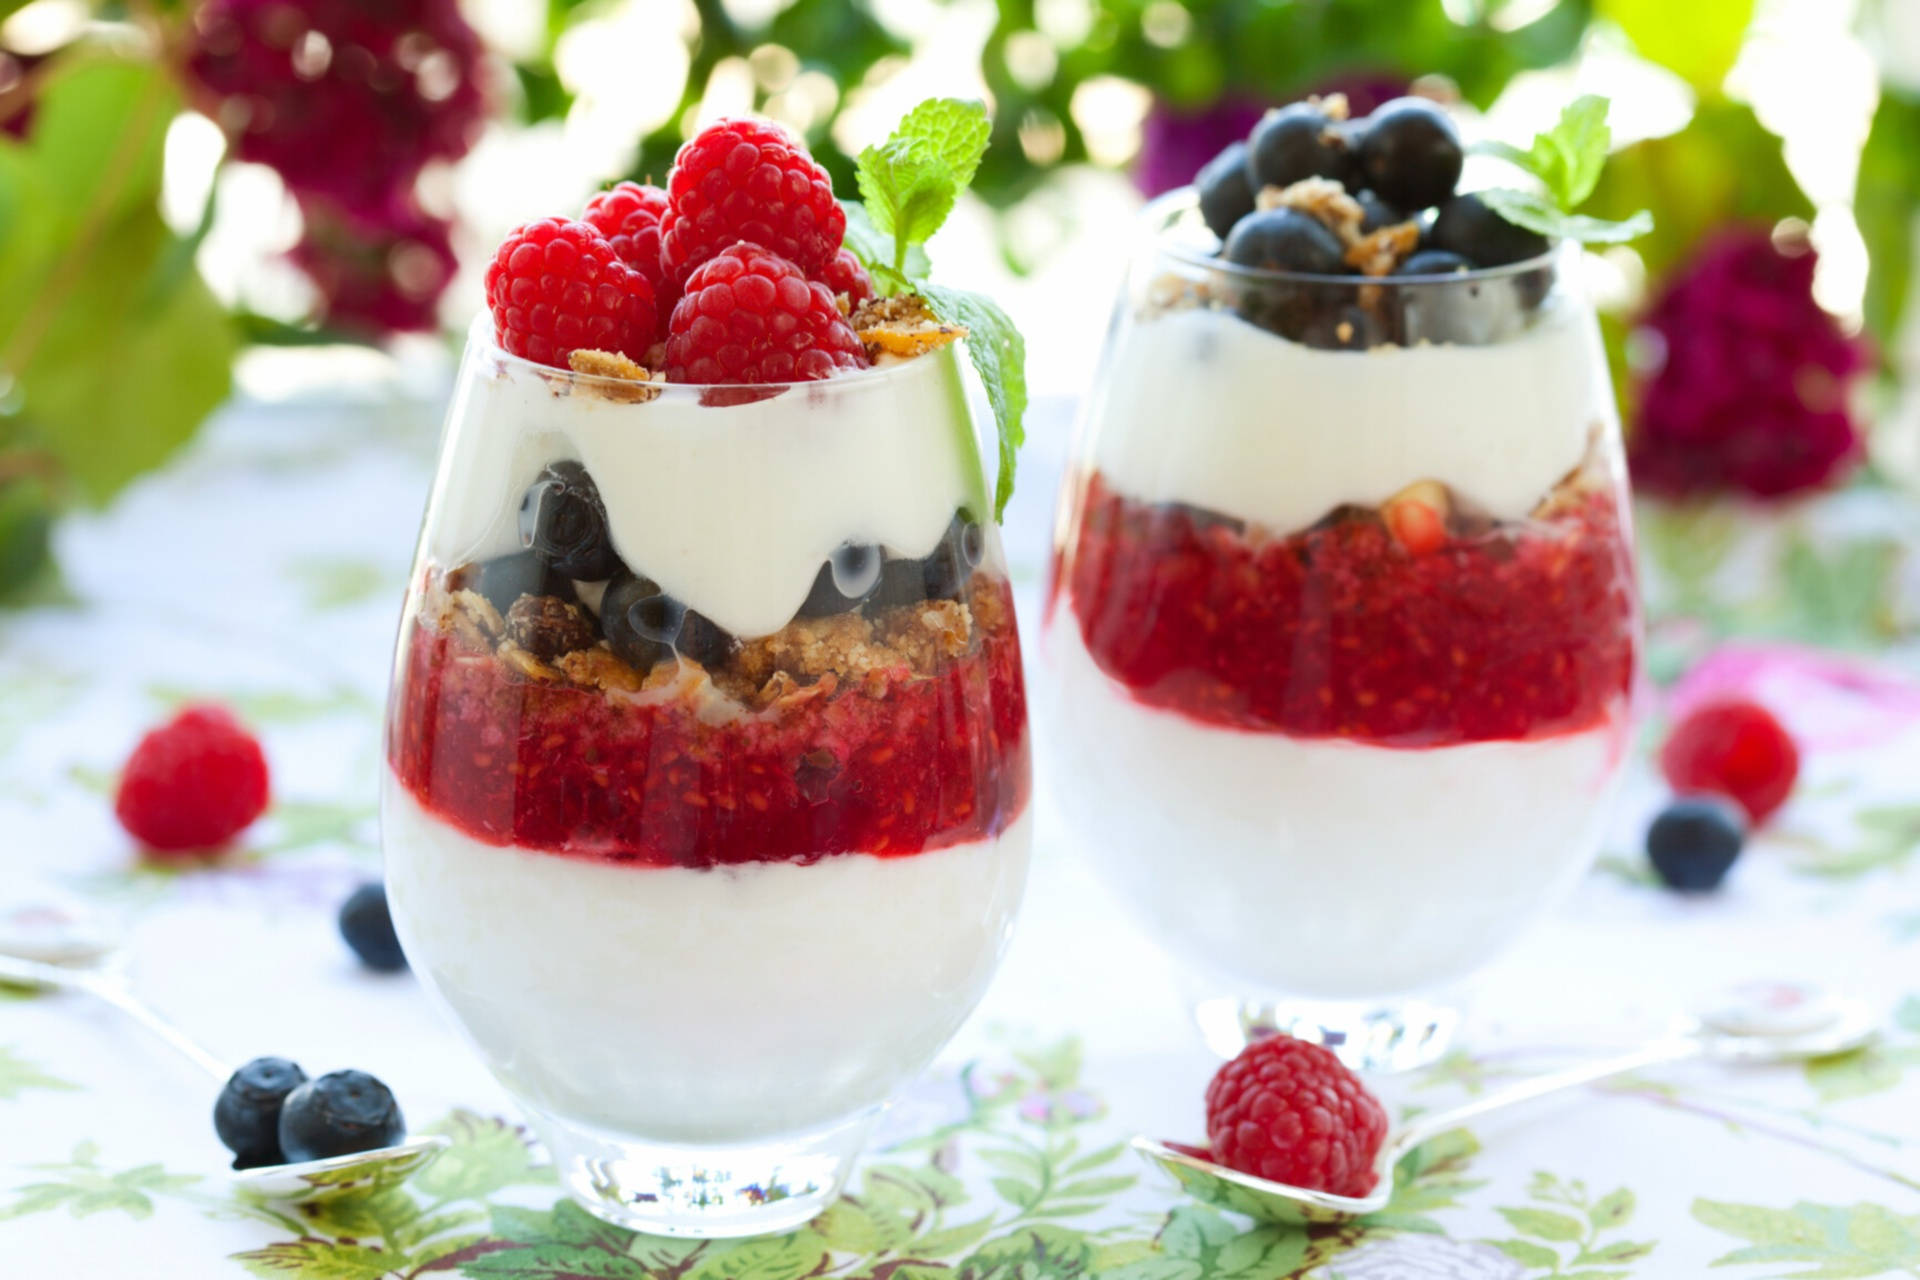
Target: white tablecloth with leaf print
[{"x": 265, "y": 568}]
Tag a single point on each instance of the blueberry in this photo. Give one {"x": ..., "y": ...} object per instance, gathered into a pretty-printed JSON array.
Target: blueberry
[
  {"x": 1292, "y": 143},
  {"x": 954, "y": 560},
  {"x": 340, "y": 1113},
  {"x": 1411, "y": 154},
  {"x": 847, "y": 577},
  {"x": 630, "y": 629},
  {"x": 1433, "y": 262},
  {"x": 643, "y": 624},
  {"x": 1467, "y": 226},
  {"x": 1285, "y": 240},
  {"x": 247, "y": 1113},
  {"x": 562, "y": 517},
  {"x": 1376, "y": 213},
  {"x": 367, "y": 926},
  {"x": 1225, "y": 196},
  {"x": 1694, "y": 840},
  {"x": 504, "y": 579}
]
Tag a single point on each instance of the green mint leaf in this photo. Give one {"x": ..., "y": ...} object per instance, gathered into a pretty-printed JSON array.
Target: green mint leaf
[
  {"x": 908, "y": 190},
  {"x": 1536, "y": 212},
  {"x": 999, "y": 356},
  {"x": 1567, "y": 158},
  {"x": 1579, "y": 143},
  {"x": 952, "y": 129},
  {"x": 874, "y": 249}
]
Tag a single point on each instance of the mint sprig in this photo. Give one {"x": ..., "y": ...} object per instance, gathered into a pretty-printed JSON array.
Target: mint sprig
[
  {"x": 908, "y": 186},
  {"x": 1567, "y": 160}
]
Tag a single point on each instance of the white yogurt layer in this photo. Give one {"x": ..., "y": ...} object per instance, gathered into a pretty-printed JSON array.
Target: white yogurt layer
[
  {"x": 731, "y": 509},
  {"x": 700, "y": 1006},
  {"x": 1319, "y": 868},
  {"x": 1201, "y": 407}
]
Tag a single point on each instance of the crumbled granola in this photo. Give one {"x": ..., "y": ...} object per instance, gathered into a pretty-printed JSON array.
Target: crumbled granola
[
  {"x": 901, "y": 327},
  {"x": 466, "y": 614},
  {"x": 1333, "y": 105},
  {"x": 526, "y": 664},
  {"x": 1381, "y": 251},
  {"x": 600, "y": 668},
  {"x": 926, "y": 633},
  {"x": 1322, "y": 199},
  {"x": 626, "y": 382},
  {"x": 549, "y": 627}
]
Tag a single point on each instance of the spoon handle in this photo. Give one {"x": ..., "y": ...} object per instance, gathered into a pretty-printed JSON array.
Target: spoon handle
[
  {"x": 33, "y": 972},
  {"x": 1540, "y": 1086}
]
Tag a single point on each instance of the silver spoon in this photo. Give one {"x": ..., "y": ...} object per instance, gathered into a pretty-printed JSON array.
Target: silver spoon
[
  {"x": 1772, "y": 1022},
  {"x": 48, "y": 947}
]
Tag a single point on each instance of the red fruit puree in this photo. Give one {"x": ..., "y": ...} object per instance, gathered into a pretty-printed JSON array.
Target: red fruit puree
[
  {"x": 939, "y": 760},
  {"x": 1524, "y": 631}
]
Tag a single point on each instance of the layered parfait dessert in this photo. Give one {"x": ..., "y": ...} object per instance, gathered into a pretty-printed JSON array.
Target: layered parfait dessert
[
  {"x": 707, "y": 803},
  {"x": 1342, "y": 624}
]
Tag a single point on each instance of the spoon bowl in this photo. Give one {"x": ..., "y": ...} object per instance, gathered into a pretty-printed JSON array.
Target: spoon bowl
[
  {"x": 1753, "y": 1024},
  {"x": 53, "y": 948}
]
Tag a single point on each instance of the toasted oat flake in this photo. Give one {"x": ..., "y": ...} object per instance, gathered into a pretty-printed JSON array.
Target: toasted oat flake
[
  {"x": 1322, "y": 199},
  {"x": 902, "y": 327},
  {"x": 1380, "y": 252},
  {"x": 635, "y": 381}
]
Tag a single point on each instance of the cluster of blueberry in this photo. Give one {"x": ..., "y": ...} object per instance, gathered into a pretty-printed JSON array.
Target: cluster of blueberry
[
  {"x": 563, "y": 526},
  {"x": 1400, "y": 165}
]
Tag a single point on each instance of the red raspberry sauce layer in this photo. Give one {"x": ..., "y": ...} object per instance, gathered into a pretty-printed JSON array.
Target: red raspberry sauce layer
[
  {"x": 939, "y": 760},
  {"x": 1339, "y": 632}
]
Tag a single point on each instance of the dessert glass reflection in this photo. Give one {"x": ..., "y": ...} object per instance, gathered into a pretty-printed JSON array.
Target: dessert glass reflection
[
  {"x": 706, "y": 803},
  {"x": 1342, "y": 629}
]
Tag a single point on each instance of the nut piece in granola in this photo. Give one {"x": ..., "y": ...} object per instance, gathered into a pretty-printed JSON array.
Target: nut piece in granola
[
  {"x": 626, "y": 382},
  {"x": 548, "y": 627},
  {"x": 1322, "y": 199},
  {"x": 1380, "y": 253},
  {"x": 901, "y": 328}
]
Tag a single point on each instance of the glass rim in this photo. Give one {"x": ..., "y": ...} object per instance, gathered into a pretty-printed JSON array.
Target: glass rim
[
  {"x": 481, "y": 341},
  {"x": 1159, "y": 214}
]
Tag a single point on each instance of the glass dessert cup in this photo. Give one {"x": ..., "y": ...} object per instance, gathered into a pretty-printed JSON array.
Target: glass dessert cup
[
  {"x": 706, "y": 816},
  {"x": 1343, "y": 629}
]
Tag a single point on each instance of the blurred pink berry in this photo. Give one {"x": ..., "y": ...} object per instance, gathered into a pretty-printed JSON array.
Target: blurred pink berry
[
  {"x": 1750, "y": 382},
  {"x": 376, "y": 276},
  {"x": 346, "y": 99}
]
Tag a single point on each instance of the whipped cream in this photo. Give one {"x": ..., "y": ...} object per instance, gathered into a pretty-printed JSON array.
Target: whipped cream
[
  {"x": 1320, "y": 868},
  {"x": 730, "y": 508},
  {"x": 701, "y": 1006},
  {"x": 1200, "y": 406}
]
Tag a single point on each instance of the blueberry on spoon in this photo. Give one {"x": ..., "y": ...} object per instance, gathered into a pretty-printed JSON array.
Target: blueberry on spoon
[
  {"x": 246, "y": 1115},
  {"x": 341, "y": 1113}
]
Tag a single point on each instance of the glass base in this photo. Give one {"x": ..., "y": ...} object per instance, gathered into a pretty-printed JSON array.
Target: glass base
[
  {"x": 1367, "y": 1035},
  {"x": 705, "y": 1192}
]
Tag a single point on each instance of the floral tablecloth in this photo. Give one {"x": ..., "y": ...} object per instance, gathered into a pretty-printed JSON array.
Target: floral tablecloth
[{"x": 265, "y": 569}]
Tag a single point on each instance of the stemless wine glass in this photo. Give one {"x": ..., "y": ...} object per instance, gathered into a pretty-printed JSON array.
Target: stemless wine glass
[
  {"x": 706, "y": 808},
  {"x": 1343, "y": 628}
]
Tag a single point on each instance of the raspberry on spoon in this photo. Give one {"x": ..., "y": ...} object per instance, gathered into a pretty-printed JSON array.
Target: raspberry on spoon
[
  {"x": 1291, "y": 1112},
  {"x": 751, "y": 316},
  {"x": 748, "y": 180},
  {"x": 556, "y": 286}
]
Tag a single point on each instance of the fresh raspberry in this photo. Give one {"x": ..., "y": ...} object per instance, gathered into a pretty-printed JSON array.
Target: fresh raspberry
[
  {"x": 556, "y": 285},
  {"x": 348, "y": 99},
  {"x": 194, "y": 783},
  {"x": 751, "y": 316},
  {"x": 628, "y": 215},
  {"x": 844, "y": 274},
  {"x": 1291, "y": 1112},
  {"x": 1733, "y": 748},
  {"x": 748, "y": 180}
]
